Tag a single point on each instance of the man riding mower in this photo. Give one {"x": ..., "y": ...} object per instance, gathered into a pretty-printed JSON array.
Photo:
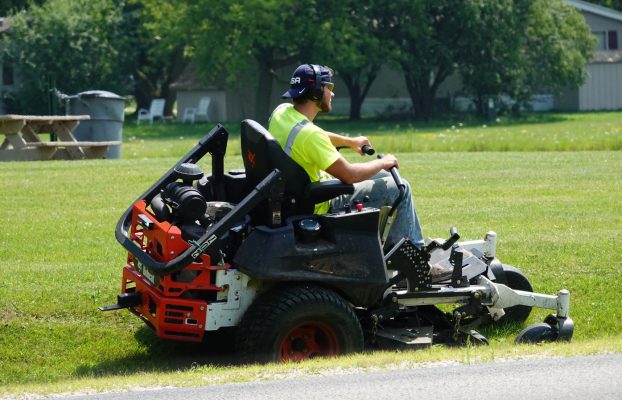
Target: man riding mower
[{"x": 244, "y": 250}]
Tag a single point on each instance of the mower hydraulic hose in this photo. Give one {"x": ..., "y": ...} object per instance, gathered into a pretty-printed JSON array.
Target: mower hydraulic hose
[{"x": 262, "y": 191}]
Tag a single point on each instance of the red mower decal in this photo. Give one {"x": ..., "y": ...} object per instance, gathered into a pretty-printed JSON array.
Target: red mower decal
[{"x": 250, "y": 156}]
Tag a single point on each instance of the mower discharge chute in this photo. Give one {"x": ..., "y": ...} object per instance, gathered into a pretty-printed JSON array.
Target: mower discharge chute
[{"x": 243, "y": 250}]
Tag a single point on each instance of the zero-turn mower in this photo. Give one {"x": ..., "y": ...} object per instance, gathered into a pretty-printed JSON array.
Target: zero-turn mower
[{"x": 242, "y": 249}]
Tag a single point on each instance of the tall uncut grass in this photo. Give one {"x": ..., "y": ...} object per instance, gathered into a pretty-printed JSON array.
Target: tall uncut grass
[{"x": 557, "y": 214}]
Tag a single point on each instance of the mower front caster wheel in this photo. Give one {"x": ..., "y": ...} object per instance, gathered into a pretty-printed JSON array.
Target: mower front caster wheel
[{"x": 553, "y": 328}]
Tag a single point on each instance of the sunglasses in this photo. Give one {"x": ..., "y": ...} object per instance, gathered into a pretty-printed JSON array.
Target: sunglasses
[{"x": 330, "y": 86}]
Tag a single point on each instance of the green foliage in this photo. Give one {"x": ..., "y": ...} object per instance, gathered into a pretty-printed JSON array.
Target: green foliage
[
  {"x": 615, "y": 4},
  {"x": 521, "y": 48},
  {"x": 70, "y": 45},
  {"x": 241, "y": 43},
  {"x": 425, "y": 39},
  {"x": 355, "y": 49},
  {"x": 490, "y": 62},
  {"x": 11, "y": 6}
]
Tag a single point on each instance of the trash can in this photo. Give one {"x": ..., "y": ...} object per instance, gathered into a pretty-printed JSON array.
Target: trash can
[{"x": 106, "y": 110}]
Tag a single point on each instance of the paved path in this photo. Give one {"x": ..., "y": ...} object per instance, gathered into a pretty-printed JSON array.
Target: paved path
[{"x": 587, "y": 377}]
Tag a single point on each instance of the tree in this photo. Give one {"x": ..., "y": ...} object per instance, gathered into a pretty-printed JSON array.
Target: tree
[
  {"x": 490, "y": 61},
  {"x": 163, "y": 39},
  {"x": 11, "y": 6},
  {"x": 69, "y": 45},
  {"x": 425, "y": 37},
  {"x": 243, "y": 43},
  {"x": 352, "y": 46},
  {"x": 557, "y": 47},
  {"x": 545, "y": 48}
]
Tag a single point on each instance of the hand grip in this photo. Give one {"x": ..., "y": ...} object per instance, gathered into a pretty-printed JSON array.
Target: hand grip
[{"x": 368, "y": 150}]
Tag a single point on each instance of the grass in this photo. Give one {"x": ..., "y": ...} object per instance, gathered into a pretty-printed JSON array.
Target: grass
[
  {"x": 557, "y": 215},
  {"x": 537, "y": 132}
]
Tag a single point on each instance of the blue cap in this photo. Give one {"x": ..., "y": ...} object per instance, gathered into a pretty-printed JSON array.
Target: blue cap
[{"x": 304, "y": 78}]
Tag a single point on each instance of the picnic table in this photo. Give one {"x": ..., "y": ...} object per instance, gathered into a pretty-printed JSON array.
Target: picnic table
[{"x": 23, "y": 140}]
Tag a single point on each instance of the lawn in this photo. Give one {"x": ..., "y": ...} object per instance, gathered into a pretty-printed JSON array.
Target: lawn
[
  {"x": 557, "y": 214},
  {"x": 536, "y": 132}
]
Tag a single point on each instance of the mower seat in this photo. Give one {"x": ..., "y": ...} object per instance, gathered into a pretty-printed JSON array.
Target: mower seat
[{"x": 262, "y": 154}]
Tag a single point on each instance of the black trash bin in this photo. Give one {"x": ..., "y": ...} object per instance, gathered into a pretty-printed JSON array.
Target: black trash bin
[{"x": 106, "y": 110}]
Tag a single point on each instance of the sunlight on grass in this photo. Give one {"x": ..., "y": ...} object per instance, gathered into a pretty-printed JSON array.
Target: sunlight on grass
[{"x": 557, "y": 215}]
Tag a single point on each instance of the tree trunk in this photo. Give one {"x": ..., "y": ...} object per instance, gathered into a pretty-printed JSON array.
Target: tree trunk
[
  {"x": 356, "y": 101},
  {"x": 264, "y": 91},
  {"x": 357, "y": 94},
  {"x": 422, "y": 89},
  {"x": 177, "y": 65}
]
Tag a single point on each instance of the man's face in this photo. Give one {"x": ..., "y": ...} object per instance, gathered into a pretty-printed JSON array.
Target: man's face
[{"x": 326, "y": 103}]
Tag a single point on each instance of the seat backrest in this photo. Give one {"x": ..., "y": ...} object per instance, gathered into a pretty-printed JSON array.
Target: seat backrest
[
  {"x": 203, "y": 105},
  {"x": 262, "y": 154},
  {"x": 157, "y": 108}
]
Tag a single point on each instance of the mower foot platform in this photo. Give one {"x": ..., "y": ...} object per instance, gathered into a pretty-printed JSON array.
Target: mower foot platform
[{"x": 403, "y": 338}]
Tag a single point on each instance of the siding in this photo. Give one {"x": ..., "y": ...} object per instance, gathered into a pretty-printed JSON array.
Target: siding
[{"x": 603, "y": 88}]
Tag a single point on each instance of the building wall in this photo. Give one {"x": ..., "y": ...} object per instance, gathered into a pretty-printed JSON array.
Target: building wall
[
  {"x": 602, "y": 24},
  {"x": 603, "y": 88},
  {"x": 217, "y": 110}
]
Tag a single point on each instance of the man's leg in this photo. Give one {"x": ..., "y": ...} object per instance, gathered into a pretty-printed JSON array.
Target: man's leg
[{"x": 382, "y": 191}]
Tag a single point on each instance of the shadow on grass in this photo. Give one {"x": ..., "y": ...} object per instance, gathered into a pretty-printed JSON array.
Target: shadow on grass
[
  {"x": 166, "y": 356},
  {"x": 382, "y": 126},
  {"x": 162, "y": 356},
  {"x": 337, "y": 123}
]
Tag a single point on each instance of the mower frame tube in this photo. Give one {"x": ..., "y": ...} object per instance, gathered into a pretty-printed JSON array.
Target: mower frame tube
[
  {"x": 493, "y": 295},
  {"x": 264, "y": 190}
]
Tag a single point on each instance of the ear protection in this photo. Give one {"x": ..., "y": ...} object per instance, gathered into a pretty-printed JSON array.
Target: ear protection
[{"x": 316, "y": 92}]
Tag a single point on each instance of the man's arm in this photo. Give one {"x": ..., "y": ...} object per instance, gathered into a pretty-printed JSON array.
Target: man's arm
[
  {"x": 353, "y": 173},
  {"x": 355, "y": 143}
]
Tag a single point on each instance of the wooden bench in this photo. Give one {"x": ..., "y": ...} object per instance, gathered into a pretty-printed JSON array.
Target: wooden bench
[{"x": 72, "y": 150}]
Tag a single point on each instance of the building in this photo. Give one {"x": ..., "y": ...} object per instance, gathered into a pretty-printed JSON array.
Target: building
[{"x": 603, "y": 88}]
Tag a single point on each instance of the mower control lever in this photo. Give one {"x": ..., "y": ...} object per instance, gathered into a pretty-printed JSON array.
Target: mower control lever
[
  {"x": 452, "y": 239},
  {"x": 400, "y": 185}
]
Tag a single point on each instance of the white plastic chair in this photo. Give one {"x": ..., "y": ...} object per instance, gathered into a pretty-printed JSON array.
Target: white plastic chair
[
  {"x": 156, "y": 110},
  {"x": 191, "y": 113}
]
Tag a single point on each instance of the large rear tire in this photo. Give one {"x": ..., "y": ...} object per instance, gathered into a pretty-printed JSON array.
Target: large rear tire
[
  {"x": 298, "y": 323},
  {"x": 516, "y": 280}
]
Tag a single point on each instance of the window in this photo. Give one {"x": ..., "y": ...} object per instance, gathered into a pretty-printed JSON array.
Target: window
[
  {"x": 612, "y": 40},
  {"x": 606, "y": 40}
]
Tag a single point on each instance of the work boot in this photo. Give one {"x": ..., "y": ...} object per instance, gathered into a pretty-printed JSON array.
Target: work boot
[{"x": 439, "y": 274}]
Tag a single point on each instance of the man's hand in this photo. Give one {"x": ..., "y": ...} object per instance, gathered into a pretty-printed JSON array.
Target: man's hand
[
  {"x": 389, "y": 161},
  {"x": 355, "y": 143},
  {"x": 358, "y": 142}
]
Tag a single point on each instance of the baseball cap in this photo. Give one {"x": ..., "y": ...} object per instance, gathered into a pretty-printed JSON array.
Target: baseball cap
[{"x": 303, "y": 79}]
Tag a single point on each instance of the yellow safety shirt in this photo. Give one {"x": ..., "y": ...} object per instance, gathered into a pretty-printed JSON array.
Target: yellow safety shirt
[{"x": 306, "y": 143}]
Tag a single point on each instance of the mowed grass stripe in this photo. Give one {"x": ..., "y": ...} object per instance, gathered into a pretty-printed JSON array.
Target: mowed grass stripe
[{"x": 557, "y": 216}]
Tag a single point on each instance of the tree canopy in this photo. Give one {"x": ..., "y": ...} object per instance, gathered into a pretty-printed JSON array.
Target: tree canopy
[
  {"x": 524, "y": 47},
  {"x": 511, "y": 47},
  {"x": 69, "y": 45}
]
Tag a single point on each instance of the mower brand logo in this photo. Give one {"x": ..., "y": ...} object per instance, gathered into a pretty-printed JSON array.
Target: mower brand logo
[
  {"x": 204, "y": 246},
  {"x": 250, "y": 156},
  {"x": 295, "y": 80}
]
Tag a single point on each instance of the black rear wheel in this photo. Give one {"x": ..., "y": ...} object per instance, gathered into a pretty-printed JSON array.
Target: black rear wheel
[
  {"x": 516, "y": 280},
  {"x": 298, "y": 323}
]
